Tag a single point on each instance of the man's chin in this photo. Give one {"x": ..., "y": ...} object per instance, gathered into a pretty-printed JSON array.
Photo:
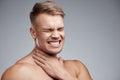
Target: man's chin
[{"x": 54, "y": 52}]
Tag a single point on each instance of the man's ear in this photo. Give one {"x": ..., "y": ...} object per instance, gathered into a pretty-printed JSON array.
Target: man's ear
[{"x": 33, "y": 32}]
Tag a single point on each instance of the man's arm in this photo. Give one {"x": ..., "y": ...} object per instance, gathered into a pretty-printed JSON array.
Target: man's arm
[{"x": 54, "y": 67}]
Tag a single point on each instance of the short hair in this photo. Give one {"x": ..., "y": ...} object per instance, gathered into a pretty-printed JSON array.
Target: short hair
[{"x": 48, "y": 7}]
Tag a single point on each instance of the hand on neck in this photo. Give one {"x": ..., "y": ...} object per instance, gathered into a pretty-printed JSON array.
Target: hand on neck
[{"x": 40, "y": 51}]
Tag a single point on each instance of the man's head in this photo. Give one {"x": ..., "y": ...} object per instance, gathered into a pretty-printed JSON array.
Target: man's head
[{"x": 48, "y": 27}]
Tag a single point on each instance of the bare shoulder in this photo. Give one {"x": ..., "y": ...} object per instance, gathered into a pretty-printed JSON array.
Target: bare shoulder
[
  {"x": 22, "y": 71},
  {"x": 74, "y": 63},
  {"x": 17, "y": 72},
  {"x": 80, "y": 69}
]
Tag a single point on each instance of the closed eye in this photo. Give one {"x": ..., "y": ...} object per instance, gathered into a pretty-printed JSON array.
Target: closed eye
[
  {"x": 61, "y": 29},
  {"x": 47, "y": 30}
]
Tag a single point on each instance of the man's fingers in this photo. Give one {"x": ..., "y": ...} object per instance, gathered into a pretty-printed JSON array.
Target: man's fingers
[
  {"x": 40, "y": 55},
  {"x": 60, "y": 60},
  {"x": 39, "y": 59},
  {"x": 39, "y": 63}
]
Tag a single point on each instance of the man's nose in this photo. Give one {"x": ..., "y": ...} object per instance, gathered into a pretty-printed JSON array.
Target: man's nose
[{"x": 55, "y": 34}]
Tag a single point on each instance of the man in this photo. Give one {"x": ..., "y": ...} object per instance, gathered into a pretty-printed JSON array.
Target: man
[{"x": 47, "y": 30}]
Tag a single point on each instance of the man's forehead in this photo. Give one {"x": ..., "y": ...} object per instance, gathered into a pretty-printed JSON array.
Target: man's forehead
[
  {"x": 49, "y": 20},
  {"x": 51, "y": 26}
]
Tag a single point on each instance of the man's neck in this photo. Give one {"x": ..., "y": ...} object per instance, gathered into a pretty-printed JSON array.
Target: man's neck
[{"x": 40, "y": 51}]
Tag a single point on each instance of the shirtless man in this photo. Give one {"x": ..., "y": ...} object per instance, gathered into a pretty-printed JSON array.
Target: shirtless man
[{"x": 47, "y": 30}]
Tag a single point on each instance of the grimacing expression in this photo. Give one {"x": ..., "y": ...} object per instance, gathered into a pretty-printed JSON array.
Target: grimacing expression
[{"x": 50, "y": 33}]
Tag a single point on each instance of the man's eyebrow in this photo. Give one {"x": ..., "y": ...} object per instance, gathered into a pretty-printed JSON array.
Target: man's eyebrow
[{"x": 48, "y": 28}]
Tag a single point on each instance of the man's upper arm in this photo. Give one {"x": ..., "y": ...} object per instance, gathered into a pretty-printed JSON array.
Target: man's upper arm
[{"x": 83, "y": 72}]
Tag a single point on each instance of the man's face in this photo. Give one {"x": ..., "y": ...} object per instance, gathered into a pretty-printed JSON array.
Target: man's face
[{"x": 50, "y": 33}]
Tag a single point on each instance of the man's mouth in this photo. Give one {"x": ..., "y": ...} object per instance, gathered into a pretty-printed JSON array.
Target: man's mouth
[{"x": 55, "y": 43}]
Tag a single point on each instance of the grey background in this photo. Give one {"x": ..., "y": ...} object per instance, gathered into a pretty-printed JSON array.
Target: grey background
[{"x": 92, "y": 34}]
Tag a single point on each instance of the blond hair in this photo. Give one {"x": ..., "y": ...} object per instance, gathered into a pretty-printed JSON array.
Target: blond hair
[{"x": 48, "y": 7}]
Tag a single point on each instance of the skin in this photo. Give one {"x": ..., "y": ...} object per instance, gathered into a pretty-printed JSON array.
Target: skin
[{"x": 42, "y": 63}]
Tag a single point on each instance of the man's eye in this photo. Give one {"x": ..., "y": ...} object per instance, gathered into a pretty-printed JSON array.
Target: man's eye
[
  {"x": 60, "y": 29},
  {"x": 47, "y": 30}
]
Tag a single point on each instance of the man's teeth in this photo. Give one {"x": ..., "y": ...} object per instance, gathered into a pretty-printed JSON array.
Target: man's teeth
[{"x": 54, "y": 43}]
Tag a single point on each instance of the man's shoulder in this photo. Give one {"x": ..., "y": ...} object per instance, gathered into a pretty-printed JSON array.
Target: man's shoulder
[
  {"x": 79, "y": 68},
  {"x": 76, "y": 63},
  {"x": 18, "y": 71},
  {"x": 24, "y": 71}
]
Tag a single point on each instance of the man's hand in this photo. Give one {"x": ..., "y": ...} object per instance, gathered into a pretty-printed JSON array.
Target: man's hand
[{"x": 53, "y": 66}]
